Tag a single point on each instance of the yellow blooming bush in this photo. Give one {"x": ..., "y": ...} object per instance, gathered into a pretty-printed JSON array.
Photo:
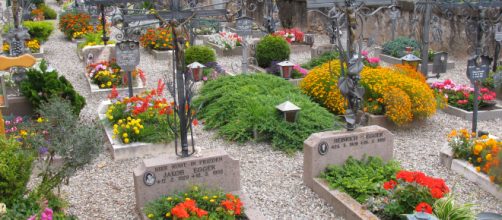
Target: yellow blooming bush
[
  {"x": 398, "y": 92},
  {"x": 483, "y": 153},
  {"x": 33, "y": 45},
  {"x": 5, "y": 47}
]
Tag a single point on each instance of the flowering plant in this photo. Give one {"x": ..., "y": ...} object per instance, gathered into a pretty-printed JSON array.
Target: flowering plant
[
  {"x": 75, "y": 24},
  {"x": 226, "y": 40},
  {"x": 462, "y": 96},
  {"x": 33, "y": 45},
  {"x": 372, "y": 62},
  {"x": 38, "y": 14},
  {"x": 5, "y": 47},
  {"x": 141, "y": 118},
  {"x": 412, "y": 191},
  {"x": 291, "y": 35},
  {"x": 158, "y": 39},
  {"x": 196, "y": 204},
  {"x": 109, "y": 74},
  {"x": 483, "y": 153},
  {"x": 411, "y": 98}
]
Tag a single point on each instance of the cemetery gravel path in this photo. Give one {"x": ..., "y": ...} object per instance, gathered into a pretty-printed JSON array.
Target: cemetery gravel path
[{"x": 104, "y": 189}]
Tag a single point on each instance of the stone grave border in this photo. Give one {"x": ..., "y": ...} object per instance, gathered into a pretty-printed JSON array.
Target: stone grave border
[
  {"x": 40, "y": 54},
  {"x": 468, "y": 171},
  {"x": 137, "y": 86},
  {"x": 161, "y": 54},
  {"x": 393, "y": 60},
  {"x": 222, "y": 52},
  {"x": 483, "y": 115},
  {"x": 344, "y": 205},
  {"x": 121, "y": 151}
]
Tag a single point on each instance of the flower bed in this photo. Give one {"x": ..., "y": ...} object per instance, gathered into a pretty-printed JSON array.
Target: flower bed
[
  {"x": 104, "y": 76},
  {"x": 158, "y": 42},
  {"x": 477, "y": 159},
  {"x": 34, "y": 47},
  {"x": 225, "y": 43},
  {"x": 75, "y": 24},
  {"x": 139, "y": 125},
  {"x": 460, "y": 100},
  {"x": 197, "y": 203},
  {"x": 400, "y": 93},
  {"x": 383, "y": 189}
]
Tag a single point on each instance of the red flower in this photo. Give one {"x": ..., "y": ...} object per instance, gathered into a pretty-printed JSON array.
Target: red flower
[
  {"x": 113, "y": 94},
  {"x": 183, "y": 210},
  {"x": 424, "y": 207},
  {"x": 436, "y": 193},
  {"x": 389, "y": 185},
  {"x": 195, "y": 122},
  {"x": 232, "y": 204}
]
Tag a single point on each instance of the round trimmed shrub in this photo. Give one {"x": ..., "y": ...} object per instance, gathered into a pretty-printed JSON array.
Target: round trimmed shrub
[
  {"x": 271, "y": 48},
  {"x": 411, "y": 98},
  {"x": 200, "y": 53},
  {"x": 397, "y": 47}
]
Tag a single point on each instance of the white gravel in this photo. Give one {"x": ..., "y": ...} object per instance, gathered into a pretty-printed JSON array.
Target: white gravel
[{"x": 104, "y": 189}]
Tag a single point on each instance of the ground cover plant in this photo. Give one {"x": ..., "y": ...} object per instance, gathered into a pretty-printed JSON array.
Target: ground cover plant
[
  {"x": 384, "y": 188},
  {"x": 397, "y": 47},
  {"x": 483, "y": 153},
  {"x": 398, "y": 92},
  {"x": 317, "y": 61},
  {"x": 142, "y": 118},
  {"x": 239, "y": 105},
  {"x": 196, "y": 203},
  {"x": 462, "y": 96}
]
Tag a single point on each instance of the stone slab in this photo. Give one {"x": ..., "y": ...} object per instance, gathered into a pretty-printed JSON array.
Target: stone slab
[
  {"x": 18, "y": 106},
  {"x": 383, "y": 121},
  {"x": 295, "y": 82},
  {"x": 482, "y": 115},
  {"x": 168, "y": 174},
  {"x": 319, "y": 50},
  {"x": 334, "y": 147},
  {"x": 122, "y": 151},
  {"x": 98, "y": 53},
  {"x": 222, "y": 52},
  {"x": 344, "y": 205},
  {"x": 299, "y": 47},
  {"x": 166, "y": 55},
  {"x": 469, "y": 172},
  {"x": 393, "y": 60}
]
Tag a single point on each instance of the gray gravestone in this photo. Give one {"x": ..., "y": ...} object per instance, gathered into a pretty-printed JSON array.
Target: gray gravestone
[
  {"x": 169, "y": 174},
  {"x": 478, "y": 70},
  {"x": 94, "y": 54},
  {"x": 127, "y": 54},
  {"x": 334, "y": 147}
]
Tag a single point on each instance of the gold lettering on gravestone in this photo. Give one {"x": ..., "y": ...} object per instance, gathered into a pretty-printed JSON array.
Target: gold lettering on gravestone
[
  {"x": 189, "y": 170},
  {"x": 355, "y": 141}
]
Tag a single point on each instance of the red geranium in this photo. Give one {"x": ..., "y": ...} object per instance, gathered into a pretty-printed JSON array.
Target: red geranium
[
  {"x": 424, "y": 207},
  {"x": 184, "y": 209},
  {"x": 389, "y": 185},
  {"x": 232, "y": 204}
]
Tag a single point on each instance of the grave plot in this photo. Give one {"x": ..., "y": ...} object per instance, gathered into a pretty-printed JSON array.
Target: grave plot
[
  {"x": 158, "y": 42},
  {"x": 225, "y": 43},
  {"x": 475, "y": 158},
  {"x": 103, "y": 73}
]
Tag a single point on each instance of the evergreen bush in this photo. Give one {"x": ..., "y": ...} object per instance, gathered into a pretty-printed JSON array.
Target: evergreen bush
[
  {"x": 271, "y": 48},
  {"x": 397, "y": 47},
  {"x": 199, "y": 53}
]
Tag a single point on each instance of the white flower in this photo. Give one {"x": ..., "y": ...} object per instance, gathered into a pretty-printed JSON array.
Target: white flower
[{"x": 3, "y": 209}]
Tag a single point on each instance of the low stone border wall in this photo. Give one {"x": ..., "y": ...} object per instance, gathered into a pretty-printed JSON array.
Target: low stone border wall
[
  {"x": 40, "y": 54},
  {"x": 482, "y": 115},
  {"x": 137, "y": 86},
  {"x": 469, "y": 172},
  {"x": 394, "y": 60},
  {"x": 162, "y": 54},
  {"x": 222, "y": 52},
  {"x": 18, "y": 106}
]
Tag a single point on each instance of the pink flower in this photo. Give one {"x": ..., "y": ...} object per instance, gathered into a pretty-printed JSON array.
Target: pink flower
[
  {"x": 47, "y": 214},
  {"x": 33, "y": 217},
  {"x": 204, "y": 78},
  {"x": 373, "y": 60},
  {"x": 364, "y": 53},
  {"x": 7, "y": 123},
  {"x": 484, "y": 90}
]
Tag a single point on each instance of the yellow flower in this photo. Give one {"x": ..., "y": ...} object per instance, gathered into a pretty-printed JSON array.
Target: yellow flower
[
  {"x": 169, "y": 198},
  {"x": 187, "y": 199},
  {"x": 23, "y": 133},
  {"x": 125, "y": 135},
  {"x": 484, "y": 137},
  {"x": 168, "y": 215},
  {"x": 102, "y": 85},
  {"x": 479, "y": 159},
  {"x": 110, "y": 117},
  {"x": 453, "y": 133},
  {"x": 488, "y": 157},
  {"x": 211, "y": 201},
  {"x": 115, "y": 126},
  {"x": 40, "y": 120},
  {"x": 126, "y": 140},
  {"x": 215, "y": 197},
  {"x": 136, "y": 132},
  {"x": 150, "y": 215},
  {"x": 477, "y": 148},
  {"x": 120, "y": 121},
  {"x": 205, "y": 198},
  {"x": 478, "y": 168}
]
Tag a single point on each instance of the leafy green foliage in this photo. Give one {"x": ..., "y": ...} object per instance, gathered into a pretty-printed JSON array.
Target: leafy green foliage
[
  {"x": 41, "y": 85},
  {"x": 397, "y": 47},
  {"x": 242, "y": 104},
  {"x": 446, "y": 209},
  {"x": 15, "y": 169},
  {"x": 49, "y": 13},
  {"x": 361, "y": 179},
  {"x": 271, "y": 48},
  {"x": 324, "y": 58},
  {"x": 491, "y": 82},
  {"x": 93, "y": 38},
  {"x": 199, "y": 53},
  {"x": 75, "y": 142},
  {"x": 39, "y": 30}
]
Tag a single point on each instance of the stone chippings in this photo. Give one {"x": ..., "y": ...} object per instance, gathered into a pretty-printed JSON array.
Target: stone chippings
[{"x": 104, "y": 189}]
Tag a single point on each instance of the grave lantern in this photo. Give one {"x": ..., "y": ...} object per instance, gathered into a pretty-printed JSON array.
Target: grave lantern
[
  {"x": 286, "y": 69},
  {"x": 3, "y": 92},
  {"x": 410, "y": 59},
  {"x": 196, "y": 69},
  {"x": 289, "y": 111},
  {"x": 420, "y": 216},
  {"x": 440, "y": 63}
]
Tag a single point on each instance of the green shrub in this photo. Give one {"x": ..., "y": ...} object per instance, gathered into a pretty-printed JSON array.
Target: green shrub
[
  {"x": 41, "y": 85},
  {"x": 397, "y": 47},
  {"x": 239, "y": 105},
  {"x": 271, "y": 48},
  {"x": 494, "y": 79},
  {"x": 325, "y": 57},
  {"x": 361, "y": 179},
  {"x": 49, "y": 13},
  {"x": 39, "y": 30},
  {"x": 93, "y": 38},
  {"x": 15, "y": 170},
  {"x": 199, "y": 53}
]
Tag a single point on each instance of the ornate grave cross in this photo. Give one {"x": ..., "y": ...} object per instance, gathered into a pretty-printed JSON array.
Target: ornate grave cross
[
  {"x": 498, "y": 42},
  {"x": 349, "y": 12},
  {"x": 17, "y": 36},
  {"x": 446, "y": 7}
]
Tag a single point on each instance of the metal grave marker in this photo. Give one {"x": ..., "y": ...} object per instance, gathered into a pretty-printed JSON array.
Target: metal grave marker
[
  {"x": 478, "y": 68},
  {"x": 127, "y": 55}
]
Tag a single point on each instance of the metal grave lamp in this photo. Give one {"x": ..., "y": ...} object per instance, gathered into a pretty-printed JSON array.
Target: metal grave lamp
[
  {"x": 410, "y": 59},
  {"x": 286, "y": 68},
  {"x": 289, "y": 111},
  {"x": 196, "y": 69},
  {"x": 440, "y": 63}
]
